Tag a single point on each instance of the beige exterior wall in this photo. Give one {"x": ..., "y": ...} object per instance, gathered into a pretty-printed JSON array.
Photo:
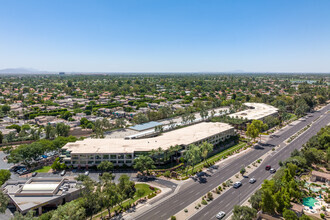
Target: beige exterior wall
[{"x": 119, "y": 159}]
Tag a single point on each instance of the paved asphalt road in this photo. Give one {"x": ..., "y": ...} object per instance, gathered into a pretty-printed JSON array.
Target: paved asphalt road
[
  {"x": 195, "y": 190},
  {"x": 233, "y": 196}
]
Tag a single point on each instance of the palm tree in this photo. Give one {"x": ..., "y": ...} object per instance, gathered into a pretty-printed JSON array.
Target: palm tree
[{"x": 159, "y": 152}]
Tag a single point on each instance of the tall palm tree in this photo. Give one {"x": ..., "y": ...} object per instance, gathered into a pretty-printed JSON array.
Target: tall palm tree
[{"x": 159, "y": 152}]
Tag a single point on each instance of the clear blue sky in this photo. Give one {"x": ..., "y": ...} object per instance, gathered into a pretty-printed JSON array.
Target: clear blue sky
[{"x": 166, "y": 35}]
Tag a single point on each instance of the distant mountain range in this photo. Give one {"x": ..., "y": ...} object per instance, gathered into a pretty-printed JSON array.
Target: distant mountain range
[{"x": 21, "y": 71}]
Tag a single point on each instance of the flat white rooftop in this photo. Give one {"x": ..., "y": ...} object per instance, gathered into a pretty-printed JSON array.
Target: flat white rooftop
[
  {"x": 256, "y": 111},
  {"x": 183, "y": 136},
  {"x": 38, "y": 191}
]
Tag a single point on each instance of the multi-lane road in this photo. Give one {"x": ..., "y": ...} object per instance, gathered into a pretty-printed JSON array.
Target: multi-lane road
[
  {"x": 194, "y": 190},
  {"x": 233, "y": 196}
]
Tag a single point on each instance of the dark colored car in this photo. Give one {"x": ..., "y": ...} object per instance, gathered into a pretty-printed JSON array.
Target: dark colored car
[
  {"x": 268, "y": 167},
  {"x": 34, "y": 174}
]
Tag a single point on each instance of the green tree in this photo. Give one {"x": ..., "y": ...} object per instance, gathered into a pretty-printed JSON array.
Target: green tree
[
  {"x": 57, "y": 165},
  {"x": 28, "y": 216},
  {"x": 243, "y": 212},
  {"x": 4, "y": 176},
  {"x": 252, "y": 131},
  {"x": 70, "y": 211},
  {"x": 105, "y": 166},
  {"x": 144, "y": 163},
  {"x": 111, "y": 196},
  {"x": 313, "y": 155},
  {"x": 268, "y": 203},
  {"x": 289, "y": 215},
  {"x": 242, "y": 171},
  {"x": 5, "y": 108},
  {"x": 62, "y": 129},
  {"x": 50, "y": 131},
  {"x": 206, "y": 148},
  {"x": 126, "y": 188},
  {"x": 14, "y": 126},
  {"x": 192, "y": 156},
  {"x": 91, "y": 198},
  {"x": 255, "y": 200},
  {"x": 4, "y": 200}
]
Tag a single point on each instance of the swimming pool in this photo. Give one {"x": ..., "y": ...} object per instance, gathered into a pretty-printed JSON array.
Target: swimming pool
[{"x": 309, "y": 201}]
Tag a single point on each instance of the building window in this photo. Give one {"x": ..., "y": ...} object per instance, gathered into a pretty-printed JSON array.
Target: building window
[
  {"x": 91, "y": 162},
  {"x": 121, "y": 156},
  {"x": 113, "y": 156},
  {"x": 128, "y": 161},
  {"x": 113, "y": 161},
  {"x": 106, "y": 157},
  {"x": 128, "y": 156},
  {"x": 75, "y": 157},
  {"x": 97, "y": 157},
  {"x": 120, "y": 161},
  {"x": 91, "y": 157}
]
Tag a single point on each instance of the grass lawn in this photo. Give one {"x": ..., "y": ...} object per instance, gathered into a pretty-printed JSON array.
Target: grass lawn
[
  {"x": 44, "y": 169},
  {"x": 292, "y": 116},
  {"x": 216, "y": 157},
  {"x": 138, "y": 186}
]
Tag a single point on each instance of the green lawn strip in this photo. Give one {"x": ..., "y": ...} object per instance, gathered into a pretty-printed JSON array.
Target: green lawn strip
[
  {"x": 44, "y": 169},
  {"x": 141, "y": 186},
  {"x": 216, "y": 157}
]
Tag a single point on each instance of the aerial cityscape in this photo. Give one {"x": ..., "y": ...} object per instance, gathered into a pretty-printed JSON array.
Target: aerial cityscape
[{"x": 164, "y": 110}]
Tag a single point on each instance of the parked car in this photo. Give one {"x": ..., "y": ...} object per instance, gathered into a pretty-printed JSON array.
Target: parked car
[
  {"x": 34, "y": 174},
  {"x": 100, "y": 174},
  {"x": 272, "y": 170},
  {"x": 63, "y": 173},
  {"x": 268, "y": 167},
  {"x": 237, "y": 185},
  {"x": 220, "y": 215},
  {"x": 252, "y": 180},
  {"x": 87, "y": 173}
]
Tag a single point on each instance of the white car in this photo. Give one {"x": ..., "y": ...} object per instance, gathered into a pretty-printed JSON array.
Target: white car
[
  {"x": 220, "y": 215},
  {"x": 252, "y": 180},
  {"x": 237, "y": 185}
]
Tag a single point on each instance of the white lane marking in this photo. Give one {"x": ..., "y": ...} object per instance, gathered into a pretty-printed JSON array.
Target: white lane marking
[
  {"x": 206, "y": 213},
  {"x": 227, "y": 205}
]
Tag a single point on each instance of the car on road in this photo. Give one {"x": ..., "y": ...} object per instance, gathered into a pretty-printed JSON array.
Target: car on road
[
  {"x": 34, "y": 174},
  {"x": 272, "y": 170},
  {"x": 252, "y": 180},
  {"x": 237, "y": 184},
  {"x": 268, "y": 167},
  {"x": 220, "y": 215},
  {"x": 63, "y": 173},
  {"x": 87, "y": 173}
]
